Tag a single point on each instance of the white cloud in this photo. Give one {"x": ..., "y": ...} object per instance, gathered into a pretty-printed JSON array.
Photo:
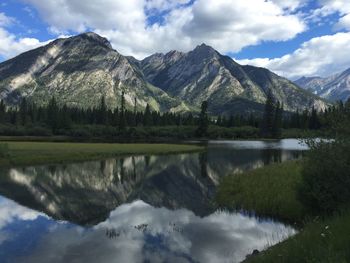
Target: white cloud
[
  {"x": 5, "y": 20},
  {"x": 226, "y": 26},
  {"x": 344, "y": 22},
  {"x": 342, "y": 6},
  {"x": 11, "y": 46},
  {"x": 164, "y": 5},
  {"x": 319, "y": 56},
  {"x": 289, "y": 4},
  {"x": 330, "y": 7}
]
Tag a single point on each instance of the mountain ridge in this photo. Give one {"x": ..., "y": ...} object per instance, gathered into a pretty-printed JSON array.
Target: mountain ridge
[
  {"x": 335, "y": 87},
  {"x": 81, "y": 69}
]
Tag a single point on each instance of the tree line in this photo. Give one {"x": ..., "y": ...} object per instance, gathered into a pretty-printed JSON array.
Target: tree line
[{"x": 60, "y": 117}]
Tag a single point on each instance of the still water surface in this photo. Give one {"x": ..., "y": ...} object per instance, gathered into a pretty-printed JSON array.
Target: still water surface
[{"x": 136, "y": 208}]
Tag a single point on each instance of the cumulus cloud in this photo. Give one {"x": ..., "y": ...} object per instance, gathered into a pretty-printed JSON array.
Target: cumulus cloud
[
  {"x": 330, "y": 7},
  {"x": 320, "y": 56},
  {"x": 10, "y": 45},
  {"x": 226, "y": 26}
]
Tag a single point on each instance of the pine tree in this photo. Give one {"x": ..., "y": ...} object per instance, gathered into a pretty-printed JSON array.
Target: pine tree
[
  {"x": 122, "y": 118},
  {"x": 52, "y": 115},
  {"x": 102, "y": 112},
  {"x": 268, "y": 117},
  {"x": 277, "y": 124},
  {"x": 2, "y": 112},
  {"x": 23, "y": 112},
  {"x": 203, "y": 124},
  {"x": 147, "y": 121},
  {"x": 314, "y": 122}
]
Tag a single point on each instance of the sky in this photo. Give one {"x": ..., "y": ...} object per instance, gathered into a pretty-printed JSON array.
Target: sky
[{"x": 293, "y": 38}]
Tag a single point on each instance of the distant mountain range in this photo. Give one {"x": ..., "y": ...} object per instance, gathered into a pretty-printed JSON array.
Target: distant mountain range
[
  {"x": 334, "y": 88},
  {"x": 80, "y": 69}
]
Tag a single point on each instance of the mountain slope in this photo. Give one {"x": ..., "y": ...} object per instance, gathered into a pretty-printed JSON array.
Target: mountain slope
[
  {"x": 205, "y": 74},
  {"x": 334, "y": 88},
  {"x": 78, "y": 71}
]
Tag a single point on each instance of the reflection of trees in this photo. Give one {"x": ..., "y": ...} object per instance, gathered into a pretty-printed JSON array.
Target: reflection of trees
[
  {"x": 147, "y": 160},
  {"x": 122, "y": 170},
  {"x": 203, "y": 162},
  {"x": 271, "y": 156},
  {"x": 85, "y": 193},
  {"x": 102, "y": 166},
  {"x": 133, "y": 167}
]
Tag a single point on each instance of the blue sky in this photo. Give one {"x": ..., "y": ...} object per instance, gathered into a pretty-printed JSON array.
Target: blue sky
[{"x": 291, "y": 37}]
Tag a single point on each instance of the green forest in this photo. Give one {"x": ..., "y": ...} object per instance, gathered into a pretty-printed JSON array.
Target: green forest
[{"x": 29, "y": 119}]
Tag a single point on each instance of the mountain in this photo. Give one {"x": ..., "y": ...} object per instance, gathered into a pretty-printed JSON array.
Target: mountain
[
  {"x": 205, "y": 74},
  {"x": 80, "y": 69},
  {"x": 334, "y": 88}
]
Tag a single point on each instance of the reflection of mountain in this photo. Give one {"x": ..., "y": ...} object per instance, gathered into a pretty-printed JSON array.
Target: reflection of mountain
[{"x": 85, "y": 193}]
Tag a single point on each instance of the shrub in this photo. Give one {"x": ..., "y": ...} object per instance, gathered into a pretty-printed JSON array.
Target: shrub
[{"x": 326, "y": 176}]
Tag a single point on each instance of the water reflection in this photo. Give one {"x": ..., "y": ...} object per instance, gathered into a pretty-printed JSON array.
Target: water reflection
[
  {"x": 85, "y": 193},
  {"x": 138, "y": 232},
  {"x": 101, "y": 200}
]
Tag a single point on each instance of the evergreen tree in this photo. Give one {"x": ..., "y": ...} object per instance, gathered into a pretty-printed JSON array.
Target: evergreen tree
[
  {"x": 147, "y": 118},
  {"x": 122, "y": 118},
  {"x": 277, "y": 124},
  {"x": 314, "y": 122},
  {"x": 52, "y": 115},
  {"x": 102, "y": 112},
  {"x": 203, "y": 124},
  {"x": 23, "y": 112},
  {"x": 2, "y": 112},
  {"x": 64, "y": 118},
  {"x": 268, "y": 117}
]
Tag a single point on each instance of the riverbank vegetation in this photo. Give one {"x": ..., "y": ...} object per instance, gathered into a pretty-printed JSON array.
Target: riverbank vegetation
[
  {"x": 31, "y": 153},
  {"x": 269, "y": 191},
  {"x": 314, "y": 193}
]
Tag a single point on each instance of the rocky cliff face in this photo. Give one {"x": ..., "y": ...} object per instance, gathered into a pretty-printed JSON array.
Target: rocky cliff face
[
  {"x": 334, "y": 88},
  {"x": 80, "y": 69},
  {"x": 205, "y": 74}
]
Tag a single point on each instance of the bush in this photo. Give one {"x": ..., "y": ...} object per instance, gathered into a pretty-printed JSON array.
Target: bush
[{"x": 326, "y": 176}]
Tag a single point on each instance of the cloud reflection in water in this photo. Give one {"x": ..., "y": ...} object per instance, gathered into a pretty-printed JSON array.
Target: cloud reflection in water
[{"x": 138, "y": 232}]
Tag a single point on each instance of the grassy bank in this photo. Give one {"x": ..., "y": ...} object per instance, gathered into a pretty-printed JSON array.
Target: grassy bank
[
  {"x": 30, "y": 153},
  {"x": 272, "y": 191},
  {"x": 269, "y": 191},
  {"x": 323, "y": 241}
]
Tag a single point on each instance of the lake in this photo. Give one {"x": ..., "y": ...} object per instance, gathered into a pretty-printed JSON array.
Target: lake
[{"x": 137, "y": 208}]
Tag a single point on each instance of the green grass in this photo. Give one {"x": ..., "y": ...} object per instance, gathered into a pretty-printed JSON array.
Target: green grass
[
  {"x": 326, "y": 241},
  {"x": 272, "y": 191},
  {"x": 269, "y": 191},
  {"x": 30, "y": 153}
]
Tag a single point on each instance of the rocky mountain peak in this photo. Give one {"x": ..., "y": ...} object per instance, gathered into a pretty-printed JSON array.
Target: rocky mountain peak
[{"x": 91, "y": 36}]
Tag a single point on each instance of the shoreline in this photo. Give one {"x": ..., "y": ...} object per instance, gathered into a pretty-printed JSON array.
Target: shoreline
[
  {"x": 271, "y": 192},
  {"x": 26, "y": 153}
]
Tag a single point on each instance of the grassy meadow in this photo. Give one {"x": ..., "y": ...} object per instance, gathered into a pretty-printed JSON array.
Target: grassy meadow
[{"x": 31, "y": 153}]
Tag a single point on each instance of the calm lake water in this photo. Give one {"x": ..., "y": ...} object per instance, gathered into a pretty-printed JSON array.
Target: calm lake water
[{"x": 137, "y": 208}]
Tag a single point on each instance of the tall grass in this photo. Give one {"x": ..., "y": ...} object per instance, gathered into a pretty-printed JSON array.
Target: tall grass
[{"x": 268, "y": 191}]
